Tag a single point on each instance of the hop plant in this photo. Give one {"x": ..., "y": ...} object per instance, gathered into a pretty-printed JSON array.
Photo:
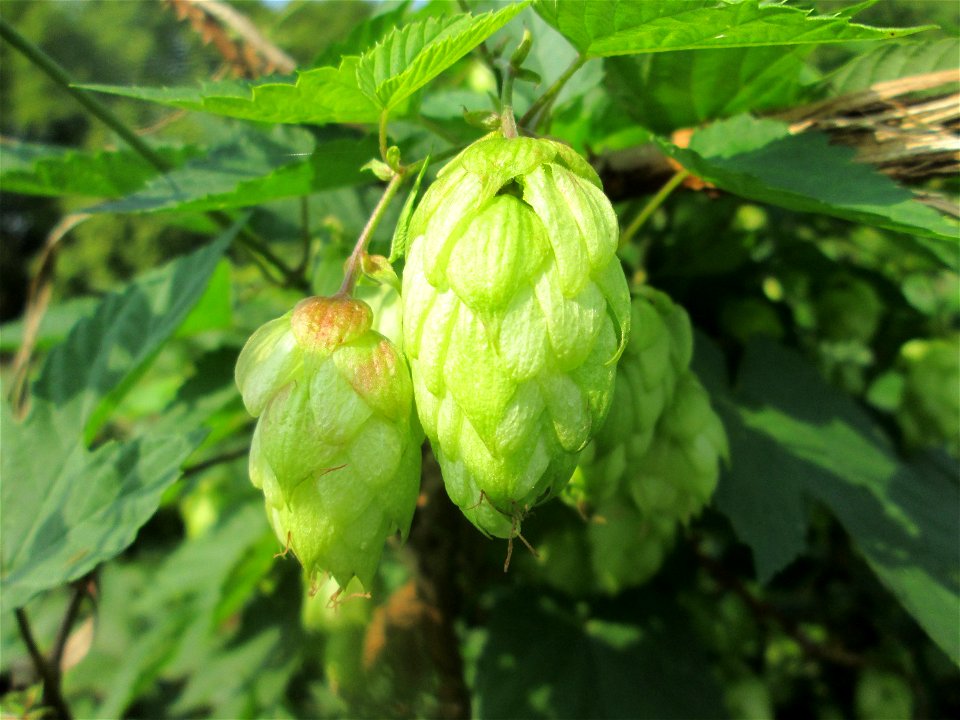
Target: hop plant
[
  {"x": 336, "y": 449},
  {"x": 655, "y": 463},
  {"x": 660, "y": 348},
  {"x": 515, "y": 310}
]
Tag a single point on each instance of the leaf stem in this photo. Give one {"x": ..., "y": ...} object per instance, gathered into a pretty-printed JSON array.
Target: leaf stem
[
  {"x": 383, "y": 135},
  {"x": 546, "y": 100},
  {"x": 508, "y": 122},
  {"x": 56, "y": 73},
  {"x": 353, "y": 265},
  {"x": 656, "y": 201},
  {"x": 52, "y": 696},
  {"x": 103, "y": 113}
]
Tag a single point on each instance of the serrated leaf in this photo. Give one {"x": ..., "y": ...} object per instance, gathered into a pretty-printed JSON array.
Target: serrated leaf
[
  {"x": 797, "y": 429},
  {"x": 760, "y": 160},
  {"x": 413, "y": 55},
  {"x": 542, "y": 659},
  {"x": 86, "y": 376},
  {"x": 254, "y": 169},
  {"x": 35, "y": 169},
  {"x": 603, "y": 28},
  {"x": 667, "y": 91},
  {"x": 319, "y": 96},
  {"x": 894, "y": 61},
  {"x": 65, "y": 508}
]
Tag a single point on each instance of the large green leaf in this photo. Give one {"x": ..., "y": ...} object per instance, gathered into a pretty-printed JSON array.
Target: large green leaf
[
  {"x": 666, "y": 91},
  {"x": 65, "y": 508},
  {"x": 762, "y": 161},
  {"x": 50, "y": 170},
  {"x": 602, "y": 28},
  {"x": 252, "y": 170},
  {"x": 321, "y": 95},
  {"x": 545, "y": 659},
  {"x": 86, "y": 376},
  {"x": 794, "y": 436},
  {"x": 894, "y": 61},
  {"x": 413, "y": 55}
]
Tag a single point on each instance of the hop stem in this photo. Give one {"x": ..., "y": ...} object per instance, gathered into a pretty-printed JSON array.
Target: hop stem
[{"x": 352, "y": 271}]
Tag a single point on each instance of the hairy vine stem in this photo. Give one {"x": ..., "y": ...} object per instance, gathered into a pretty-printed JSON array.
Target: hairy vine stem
[
  {"x": 103, "y": 113},
  {"x": 651, "y": 207},
  {"x": 544, "y": 102},
  {"x": 353, "y": 264}
]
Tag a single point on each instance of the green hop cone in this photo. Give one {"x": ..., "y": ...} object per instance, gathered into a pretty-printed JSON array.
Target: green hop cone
[
  {"x": 677, "y": 475},
  {"x": 336, "y": 449},
  {"x": 659, "y": 350},
  {"x": 515, "y": 309},
  {"x": 655, "y": 462}
]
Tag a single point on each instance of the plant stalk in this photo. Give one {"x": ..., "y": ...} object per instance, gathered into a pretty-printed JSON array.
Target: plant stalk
[
  {"x": 544, "y": 101},
  {"x": 52, "y": 695},
  {"x": 354, "y": 262},
  {"x": 103, "y": 113},
  {"x": 651, "y": 207}
]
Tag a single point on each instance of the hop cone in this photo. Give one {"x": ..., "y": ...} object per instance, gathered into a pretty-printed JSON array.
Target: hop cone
[
  {"x": 336, "y": 448},
  {"x": 660, "y": 348},
  {"x": 515, "y": 308},
  {"x": 655, "y": 462}
]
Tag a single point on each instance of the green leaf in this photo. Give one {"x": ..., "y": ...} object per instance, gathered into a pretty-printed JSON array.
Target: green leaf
[
  {"x": 55, "y": 325},
  {"x": 319, "y": 96},
  {"x": 603, "y": 28},
  {"x": 760, "y": 160},
  {"x": 64, "y": 508},
  {"x": 666, "y": 91},
  {"x": 798, "y": 430},
  {"x": 87, "y": 375},
  {"x": 410, "y": 57},
  {"x": 50, "y": 170},
  {"x": 213, "y": 311},
  {"x": 894, "y": 61},
  {"x": 254, "y": 169},
  {"x": 543, "y": 659}
]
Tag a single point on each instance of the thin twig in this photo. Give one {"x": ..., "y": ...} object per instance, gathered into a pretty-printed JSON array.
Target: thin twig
[
  {"x": 226, "y": 457},
  {"x": 547, "y": 99},
  {"x": 353, "y": 264},
  {"x": 60, "y": 76},
  {"x": 656, "y": 201},
  {"x": 77, "y": 593},
  {"x": 52, "y": 695},
  {"x": 56, "y": 73}
]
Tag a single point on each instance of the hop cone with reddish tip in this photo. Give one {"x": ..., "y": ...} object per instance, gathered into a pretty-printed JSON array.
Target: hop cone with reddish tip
[
  {"x": 515, "y": 310},
  {"x": 336, "y": 449}
]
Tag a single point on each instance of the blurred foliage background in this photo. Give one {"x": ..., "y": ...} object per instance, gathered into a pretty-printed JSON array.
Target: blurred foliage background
[{"x": 197, "y": 619}]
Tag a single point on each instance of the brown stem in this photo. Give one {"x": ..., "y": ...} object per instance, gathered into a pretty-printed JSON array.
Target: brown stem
[{"x": 52, "y": 696}]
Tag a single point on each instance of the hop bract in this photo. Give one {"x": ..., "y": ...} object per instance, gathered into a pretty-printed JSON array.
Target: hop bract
[
  {"x": 515, "y": 310},
  {"x": 336, "y": 449}
]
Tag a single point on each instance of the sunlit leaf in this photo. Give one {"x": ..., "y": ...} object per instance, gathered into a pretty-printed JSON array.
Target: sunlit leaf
[{"x": 602, "y": 28}]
